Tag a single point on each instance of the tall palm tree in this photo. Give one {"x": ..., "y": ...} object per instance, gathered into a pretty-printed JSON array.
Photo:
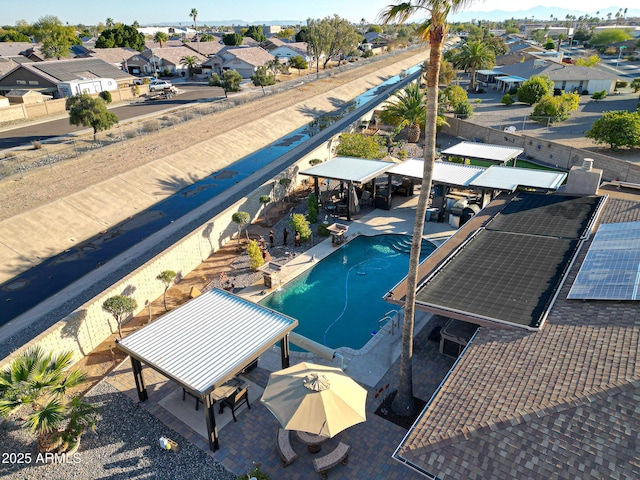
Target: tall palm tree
[
  {"x": 194, "y": 15},
  {"x": 191, "y": 62},
  {"x": 160, "y": 37},
  {"x": 474, "y": 55},
  {"x": 38, "y": 382},
  {"x": 434, "y": 30},
  {"x": 409, "y": 109}
]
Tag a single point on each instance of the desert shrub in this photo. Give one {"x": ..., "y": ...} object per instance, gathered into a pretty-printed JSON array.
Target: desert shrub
[
  {"x": 621, "y": 84},
  {"x": 264, "y": 199},
  {"x": 464, "y": 110},
  {"x": 599, "y": 95},
  {"x": 507, "y": 99},
  {"x": 151, "y": 126},
  {"x": 130, "y": 134},
  {"x": 323, "y": 230},
  {"x": 314, "y": 161},
  {"x": 36, "y": 145},
  {"x": 256, "y": 260},
  {"x": 402, "y": 154},
  {"x": 106, "y": 96}
]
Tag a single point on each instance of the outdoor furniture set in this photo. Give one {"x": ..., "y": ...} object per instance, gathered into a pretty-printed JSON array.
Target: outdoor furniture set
[{"x": 230, "y": 394}]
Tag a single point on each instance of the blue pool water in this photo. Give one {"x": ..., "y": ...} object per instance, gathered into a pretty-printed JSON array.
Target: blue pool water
[{"x": 338, "y": 302}]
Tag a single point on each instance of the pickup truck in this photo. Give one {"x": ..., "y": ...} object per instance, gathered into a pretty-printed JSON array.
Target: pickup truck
[{"x": 159, "y": 85}]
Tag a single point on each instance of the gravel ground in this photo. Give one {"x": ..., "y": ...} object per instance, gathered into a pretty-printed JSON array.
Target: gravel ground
[{"x": 125, "y": 446}]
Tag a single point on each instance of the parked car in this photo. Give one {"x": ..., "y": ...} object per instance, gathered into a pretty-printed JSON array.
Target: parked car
[
  {"x": 142, "y": 80},
  {"x": 159, "y": 85}
]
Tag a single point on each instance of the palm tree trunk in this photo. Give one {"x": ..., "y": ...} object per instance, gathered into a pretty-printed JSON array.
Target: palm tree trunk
[{"x": 403, "y": 403}]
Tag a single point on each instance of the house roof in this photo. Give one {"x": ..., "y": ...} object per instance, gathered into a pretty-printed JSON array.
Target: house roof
[
  {"x": 555, "y": 71},
  {"x": 73, "y": 69},
  {"x": 114, "y": 56},
  {"x": 14, "y": 49},
  {"x": 255, "y": 56},
  {"x": 509, "y": 178},
  {"x": 173, "y": 55},
  {"x": 208, "y": 340},
  {"x": 443, "y": 172},
  {"x": 557, "y": 403},
  {"x": 205, "y": 48}
]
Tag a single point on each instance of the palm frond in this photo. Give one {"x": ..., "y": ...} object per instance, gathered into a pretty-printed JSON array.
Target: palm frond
[{"x": 48, "y": 418}]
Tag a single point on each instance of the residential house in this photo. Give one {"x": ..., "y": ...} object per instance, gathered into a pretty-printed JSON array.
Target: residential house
[
  {"x": 25, "y": 97},
  {"x": 14, "y": 49},
  {"x": 570, "y": 78},
  {"x": 45, "y": 76},
  {"x": 164, "y": 60},
  {"x": 548, "y": 386},
  {"x": 244, "y": 60},
  {"x": 287, "y": 50},
  {"x": 207, "y": 49},
  {"x": 376, "y": 42}
]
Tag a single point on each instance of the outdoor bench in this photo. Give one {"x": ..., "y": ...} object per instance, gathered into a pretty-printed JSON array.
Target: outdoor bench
[
  {"x": 286, "y": 451},
  {"x": 339, "y": 455}
]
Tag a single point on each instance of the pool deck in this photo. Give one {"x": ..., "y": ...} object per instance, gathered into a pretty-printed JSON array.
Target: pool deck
[{"x": 375, "y": 366}]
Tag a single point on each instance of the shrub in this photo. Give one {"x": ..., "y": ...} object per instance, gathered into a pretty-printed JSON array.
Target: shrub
[
  {"x": 256, "y": 474},
  {"x": 621, "y": 84},
  {"x": 507, "y": 100},
  {"x": 300, "y": 224},
  {"x": 214, "y": 81},
  {"x": 312, "y": 215},
  {"x": 36, "y": 145},
  {"x": 464, "y": 110},
  {"x": 323, "y": 230},
  {"x": 106, "y": 96},
  {"x": 256, "y": 260},
  {"x": 130, "y": 134},
  {"x": 599, "y": 95},
  {"x": 151, "y": 126},
  {"x": 265, "y": 199},
  {"x": 402, "y": 154},
  {"x": 314, "y": 161},
  {"x": 312, "y": 201},
  {"x": 513, "y": 91}
]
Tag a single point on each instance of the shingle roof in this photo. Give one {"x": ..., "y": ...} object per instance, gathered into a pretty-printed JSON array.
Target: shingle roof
[
  {"x": 173, "y": 54},
  {"x": 113, "y": 56},
  {"x": 13, "y": 49},
  {"x": 255, "y": 56},
  {"x": 205, "y": 48},
  {"x": 73, "y": 69},
  {"x": 562, "y": 402}
]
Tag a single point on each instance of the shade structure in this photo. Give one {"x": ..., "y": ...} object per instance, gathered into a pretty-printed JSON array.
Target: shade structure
[{"x": 315, "y": 399}]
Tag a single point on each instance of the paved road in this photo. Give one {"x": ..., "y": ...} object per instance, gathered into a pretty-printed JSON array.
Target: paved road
[{"x": 60, "y": 127}]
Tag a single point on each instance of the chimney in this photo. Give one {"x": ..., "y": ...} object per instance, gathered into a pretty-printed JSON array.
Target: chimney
[{"x": 587, "y": 164}]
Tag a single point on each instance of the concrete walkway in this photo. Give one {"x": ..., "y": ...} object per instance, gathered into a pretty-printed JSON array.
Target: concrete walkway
[{"x": 375, "y": 366}]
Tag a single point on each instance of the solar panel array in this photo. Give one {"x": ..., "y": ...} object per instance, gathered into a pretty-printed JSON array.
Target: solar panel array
[{"x": 611, "y": 268}]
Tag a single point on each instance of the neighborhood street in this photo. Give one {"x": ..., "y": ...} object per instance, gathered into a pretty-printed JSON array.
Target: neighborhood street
[{"x": 42, "y": 131}]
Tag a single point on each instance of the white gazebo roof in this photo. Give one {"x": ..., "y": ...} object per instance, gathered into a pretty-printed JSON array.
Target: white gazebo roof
[
  {"x": 208, "y": 340},
  {"x": 509, "y": 178},
  {"x": 359, "y": 170},
  {"x": 443, "y": 172},
  {"x": 485, "y": 151}
]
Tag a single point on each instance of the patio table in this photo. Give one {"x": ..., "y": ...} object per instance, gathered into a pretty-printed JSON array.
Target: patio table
[{"x": 313, "y": 442}]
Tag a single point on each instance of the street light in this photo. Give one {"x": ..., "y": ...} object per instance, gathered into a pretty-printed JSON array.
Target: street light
[{"x": 622, "y": 47}]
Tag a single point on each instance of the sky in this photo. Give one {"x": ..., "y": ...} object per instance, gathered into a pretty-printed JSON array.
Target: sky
[{"x": 152, "y": 11}]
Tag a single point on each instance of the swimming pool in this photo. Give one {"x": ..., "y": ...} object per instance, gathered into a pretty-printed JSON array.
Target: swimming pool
[{"x": 338, "y": 302}]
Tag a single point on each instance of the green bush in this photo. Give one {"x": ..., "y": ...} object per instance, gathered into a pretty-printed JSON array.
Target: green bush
[
  {"x": 464, "y": 110},
  {"x": 312, "y": 215},
  {"x": 314, "y": 161},
  {"x": 513, "y": 91},
  {"x": 507, "y": 100},
  {"x": 255, "y": 255},
  {"x": 323, "y": 231},
  {"x": 621, "y": 84},
  {"x": 255, "y": 473},
  {"x": 215, "y": 81},
  {"x": 299, "y": 223},
  {"x": 106, "y": 96},
  {"x": 312, "y": 201},
  {"x": 599, "y": 95},
  {"x": 265, "y": 199}
]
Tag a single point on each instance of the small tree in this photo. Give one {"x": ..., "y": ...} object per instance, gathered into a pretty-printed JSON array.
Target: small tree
[
  {"x": 90, "y": 112},
  {"x": 241, "y": 219},
  {"x": 120, "y": 307},
  {"x": 298, "y": 62},
  {"x": 232, "y": 39},
  {"x": 215, "y": 81},
  {"x": 263, "y": 78},
  {"x": 191, "y": 62},
  {"x": 507, "y": 100},
  {"x": 160, "y": 37},
  {"x": 231, "y": 81},
  {"x": 455, "y": 95},
  {"x": 635, "y": 84},
  {"x": 549, "y": 45},
  {"x": 464, "y": 110},
  {"x": 312, "y": 206},
  {"x": 360, "y": 146},
  {"x": 106, "y": 96},
  {"x": 618, "y": 128},
  {"x": 591, "y": 61},
  {"x": 256, "y": 260},
  {"x": 555, "y": 109},
  {"x": 167, "y": 277},
  {"x": 300, "y": 224},
  {"x": 534, "y": 89}
]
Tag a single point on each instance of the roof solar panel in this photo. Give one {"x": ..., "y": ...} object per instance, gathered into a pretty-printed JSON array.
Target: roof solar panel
[{"x": 611, "y": 268}]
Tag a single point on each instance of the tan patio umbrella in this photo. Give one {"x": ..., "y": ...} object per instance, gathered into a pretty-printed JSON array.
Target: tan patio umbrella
[{"x": 314, "y": 398}]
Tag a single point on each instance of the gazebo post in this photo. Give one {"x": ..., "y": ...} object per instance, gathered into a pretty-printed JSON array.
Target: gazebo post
[
  {"x": 284, "y": 351},
  {"x": 136, "y": 366},
  {"x": 349, "y": 187},
  {"x": 316, "y": 188},
  {"x": 210, "y": 417}
]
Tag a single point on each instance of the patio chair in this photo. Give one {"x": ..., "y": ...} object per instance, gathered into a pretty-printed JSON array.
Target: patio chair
[{"x": 234, "y": 401}]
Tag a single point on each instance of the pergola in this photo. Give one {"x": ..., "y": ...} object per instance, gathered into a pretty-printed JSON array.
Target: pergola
[
  {"x": 350, "y": 170},
  {"x": 483, "y": 151},
  {"x": 206, "y": 342}
]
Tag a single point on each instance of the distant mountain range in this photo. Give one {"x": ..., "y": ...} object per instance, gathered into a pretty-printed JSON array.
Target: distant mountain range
[
  {"x": 227, "y": 23},
  {"x": 537, "y": 13}
]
